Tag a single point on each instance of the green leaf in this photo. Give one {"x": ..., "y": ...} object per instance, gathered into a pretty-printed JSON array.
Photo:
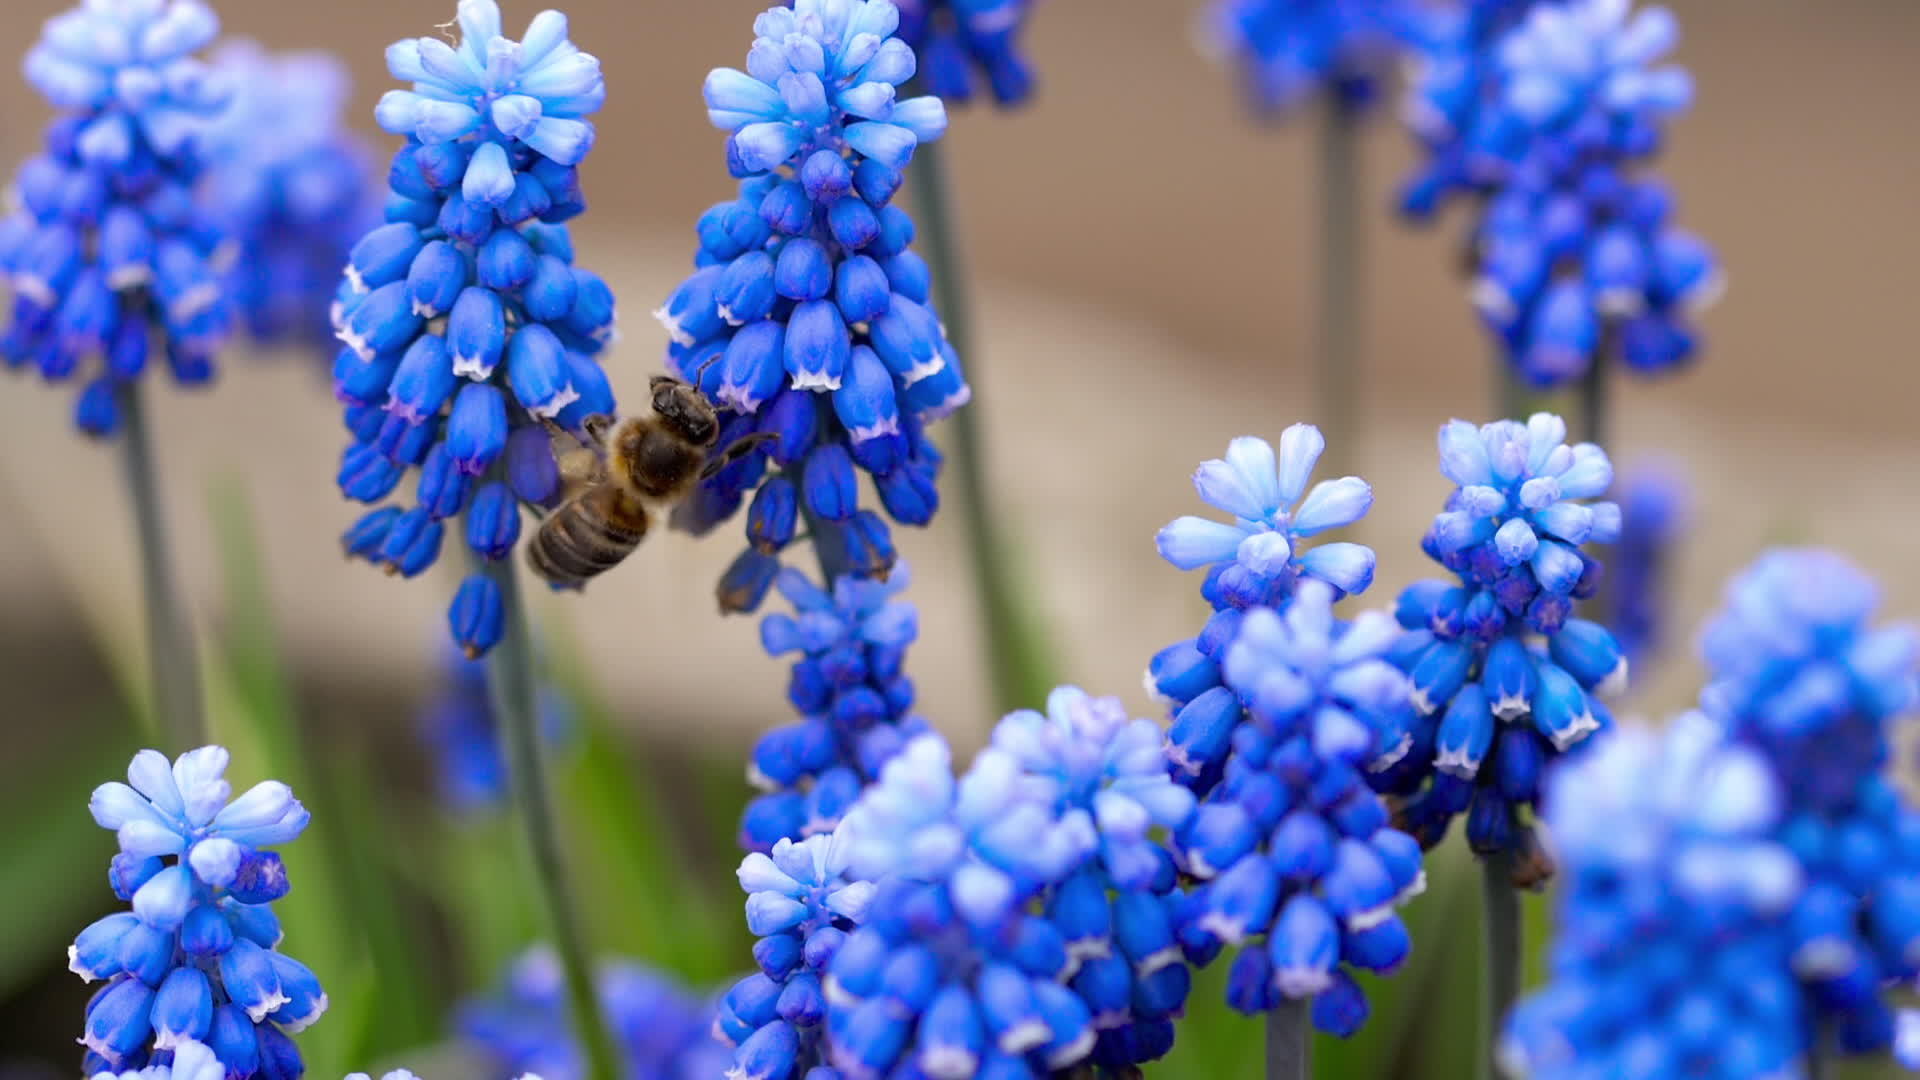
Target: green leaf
[
  {"x": 342, "y": 918},
  {"x": 53, "y": 858}
]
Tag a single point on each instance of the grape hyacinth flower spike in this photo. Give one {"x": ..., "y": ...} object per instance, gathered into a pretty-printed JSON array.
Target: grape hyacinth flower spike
[
  {"x": 853, "y": 696},
  {"x": 1798, "y": 672},
  {"x": 1654, "y": 506},
  {"x": 109, "y": 258},
  {"x": 1294, "y": 853},
  {"x": 1546, "y": 115},
  {"x": 463, "y": 734},
  {"x": 195, "y": 963},
  {"x": 1675, "y": 925},
  {"x": 1505, "y": 677},
  {"x": 290, "y": 184},
  {"x": 469, "y": 337},
  {"x": 808, "y": 318},
  {"x": 1286, "y": 51},
  {"x": 1020, "y": 919},
  {"x": 523, "y": 1031},
  {"x": 801, "y": 906},
  {"x": 1259, "y": 559},
  {"x": 964, "y": 45}
]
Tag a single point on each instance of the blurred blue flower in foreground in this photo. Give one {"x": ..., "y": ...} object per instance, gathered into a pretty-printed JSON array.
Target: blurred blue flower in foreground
[
  {"x": 192, "y": 1060},
  {"x": 469, "y": 336},
  {"x": 106, "y": 252},
  {"x": 289, "y": 185},
  {"x": 853, "y": 696},
  {"x": 458, "y": 726},
  {"x": 1654, "y": 506},
  {"x": 661, "y": 1029},
  {"x": 962, "y": 43},
  {"x": 1674, "y": 922},
  {"x": 1289, "y": 50},
  {"x": 1012, "y": 921},
  {"x": 808, "y": 317},
  {"x": 196, "y": 959},
  {"x": 1505, "y": 676},
  {"x": 1294, "y": 850},
  {"x": 1545, "y": 115},
  {"x": 1797, "y": 672}
]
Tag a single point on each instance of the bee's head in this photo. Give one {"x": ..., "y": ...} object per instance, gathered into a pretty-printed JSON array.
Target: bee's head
[{"x": 685, "y": 410}]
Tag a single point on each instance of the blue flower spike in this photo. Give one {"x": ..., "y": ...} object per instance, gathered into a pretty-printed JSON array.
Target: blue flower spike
[
  {"x": 193, "y": 970},
  {"x": 965, "y": 46},
  {"x": 1674, "y": 916},
  {"x": 522, "y": 1030},
  {"x": 1505, "y": 677},
  {"x": 1295, "y": 858},
  {"x": 808, "y": 318},
  {"x": 1260, "y": 556},
  {"x": 290, "y": 185},
  {"x": 1288, "y": 51},
  {"x": 1798, "y": 672},
  {"x": 459, "y": 730},
  {"x": 801, "y": 905},
  {"x": 109, "y": 259},
  {"x": 853, "y": 698},
  {"x": 1547, "y": 114},
  {"x": 468, "y": 335},
  {"x": 1021, "y": 918}
]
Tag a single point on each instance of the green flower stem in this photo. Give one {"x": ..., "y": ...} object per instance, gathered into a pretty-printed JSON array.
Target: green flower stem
[
  {"x": 1336, "y": 390},
  {"x": 1594, "y": 399},
  {"x": 1500, "y": 981},
  {"x": 1017, "y": 653},
  {"x": 171, "y": 658},
  {"x": 1289, "y": 1042},
  {"x": 510, "y": 685}
]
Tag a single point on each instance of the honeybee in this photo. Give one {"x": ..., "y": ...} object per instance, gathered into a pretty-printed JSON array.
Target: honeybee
[{"x": 624, "y": 476}]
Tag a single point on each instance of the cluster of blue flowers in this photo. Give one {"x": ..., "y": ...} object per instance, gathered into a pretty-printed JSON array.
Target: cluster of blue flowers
[
  {"x": 1638, "y": 590},
  {"x": 1797, "y": 673},
  {"x": 661, "y": 1029},
  {"x": 1544, "y": 111},
  {"x": 1290, "y": 50},
  {"x": 109, "y": 255},
  {"x": 963, "y": 43},
  {"x": 1504, "y": 675},
  {"x": 468, "y": 333},
  {"x": 808, "y": 318},
  {"x": 1295, "y": 851},
  {"x": 853, "y": 697},
  {"x": 459, "y": 727},
  {"x": 1674, "y": 916},
  {"x": 290, "y": 186},
  {"x": 193, "y": 971},
  {"x": 1280, "y": 711},
  {"x": 801, "y": 906},
  {"x": 1017, "y": 920}
]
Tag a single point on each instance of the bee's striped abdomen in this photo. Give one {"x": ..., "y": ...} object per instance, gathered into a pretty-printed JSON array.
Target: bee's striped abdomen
[{"x": 586, "y": 537}]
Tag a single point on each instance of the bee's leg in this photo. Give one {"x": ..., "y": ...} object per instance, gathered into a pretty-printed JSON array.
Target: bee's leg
[{"x": 736, "y": 450}]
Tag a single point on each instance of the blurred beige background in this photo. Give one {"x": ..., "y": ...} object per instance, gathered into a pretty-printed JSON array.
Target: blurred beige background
[{"x": 1141, "y": 250}]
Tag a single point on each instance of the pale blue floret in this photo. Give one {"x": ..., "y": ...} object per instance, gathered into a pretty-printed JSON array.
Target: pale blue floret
[
  {"x": 1258, "y": 556},
  {"x": 535, "y": 91},
  {"x": 823, "y": 75}
]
